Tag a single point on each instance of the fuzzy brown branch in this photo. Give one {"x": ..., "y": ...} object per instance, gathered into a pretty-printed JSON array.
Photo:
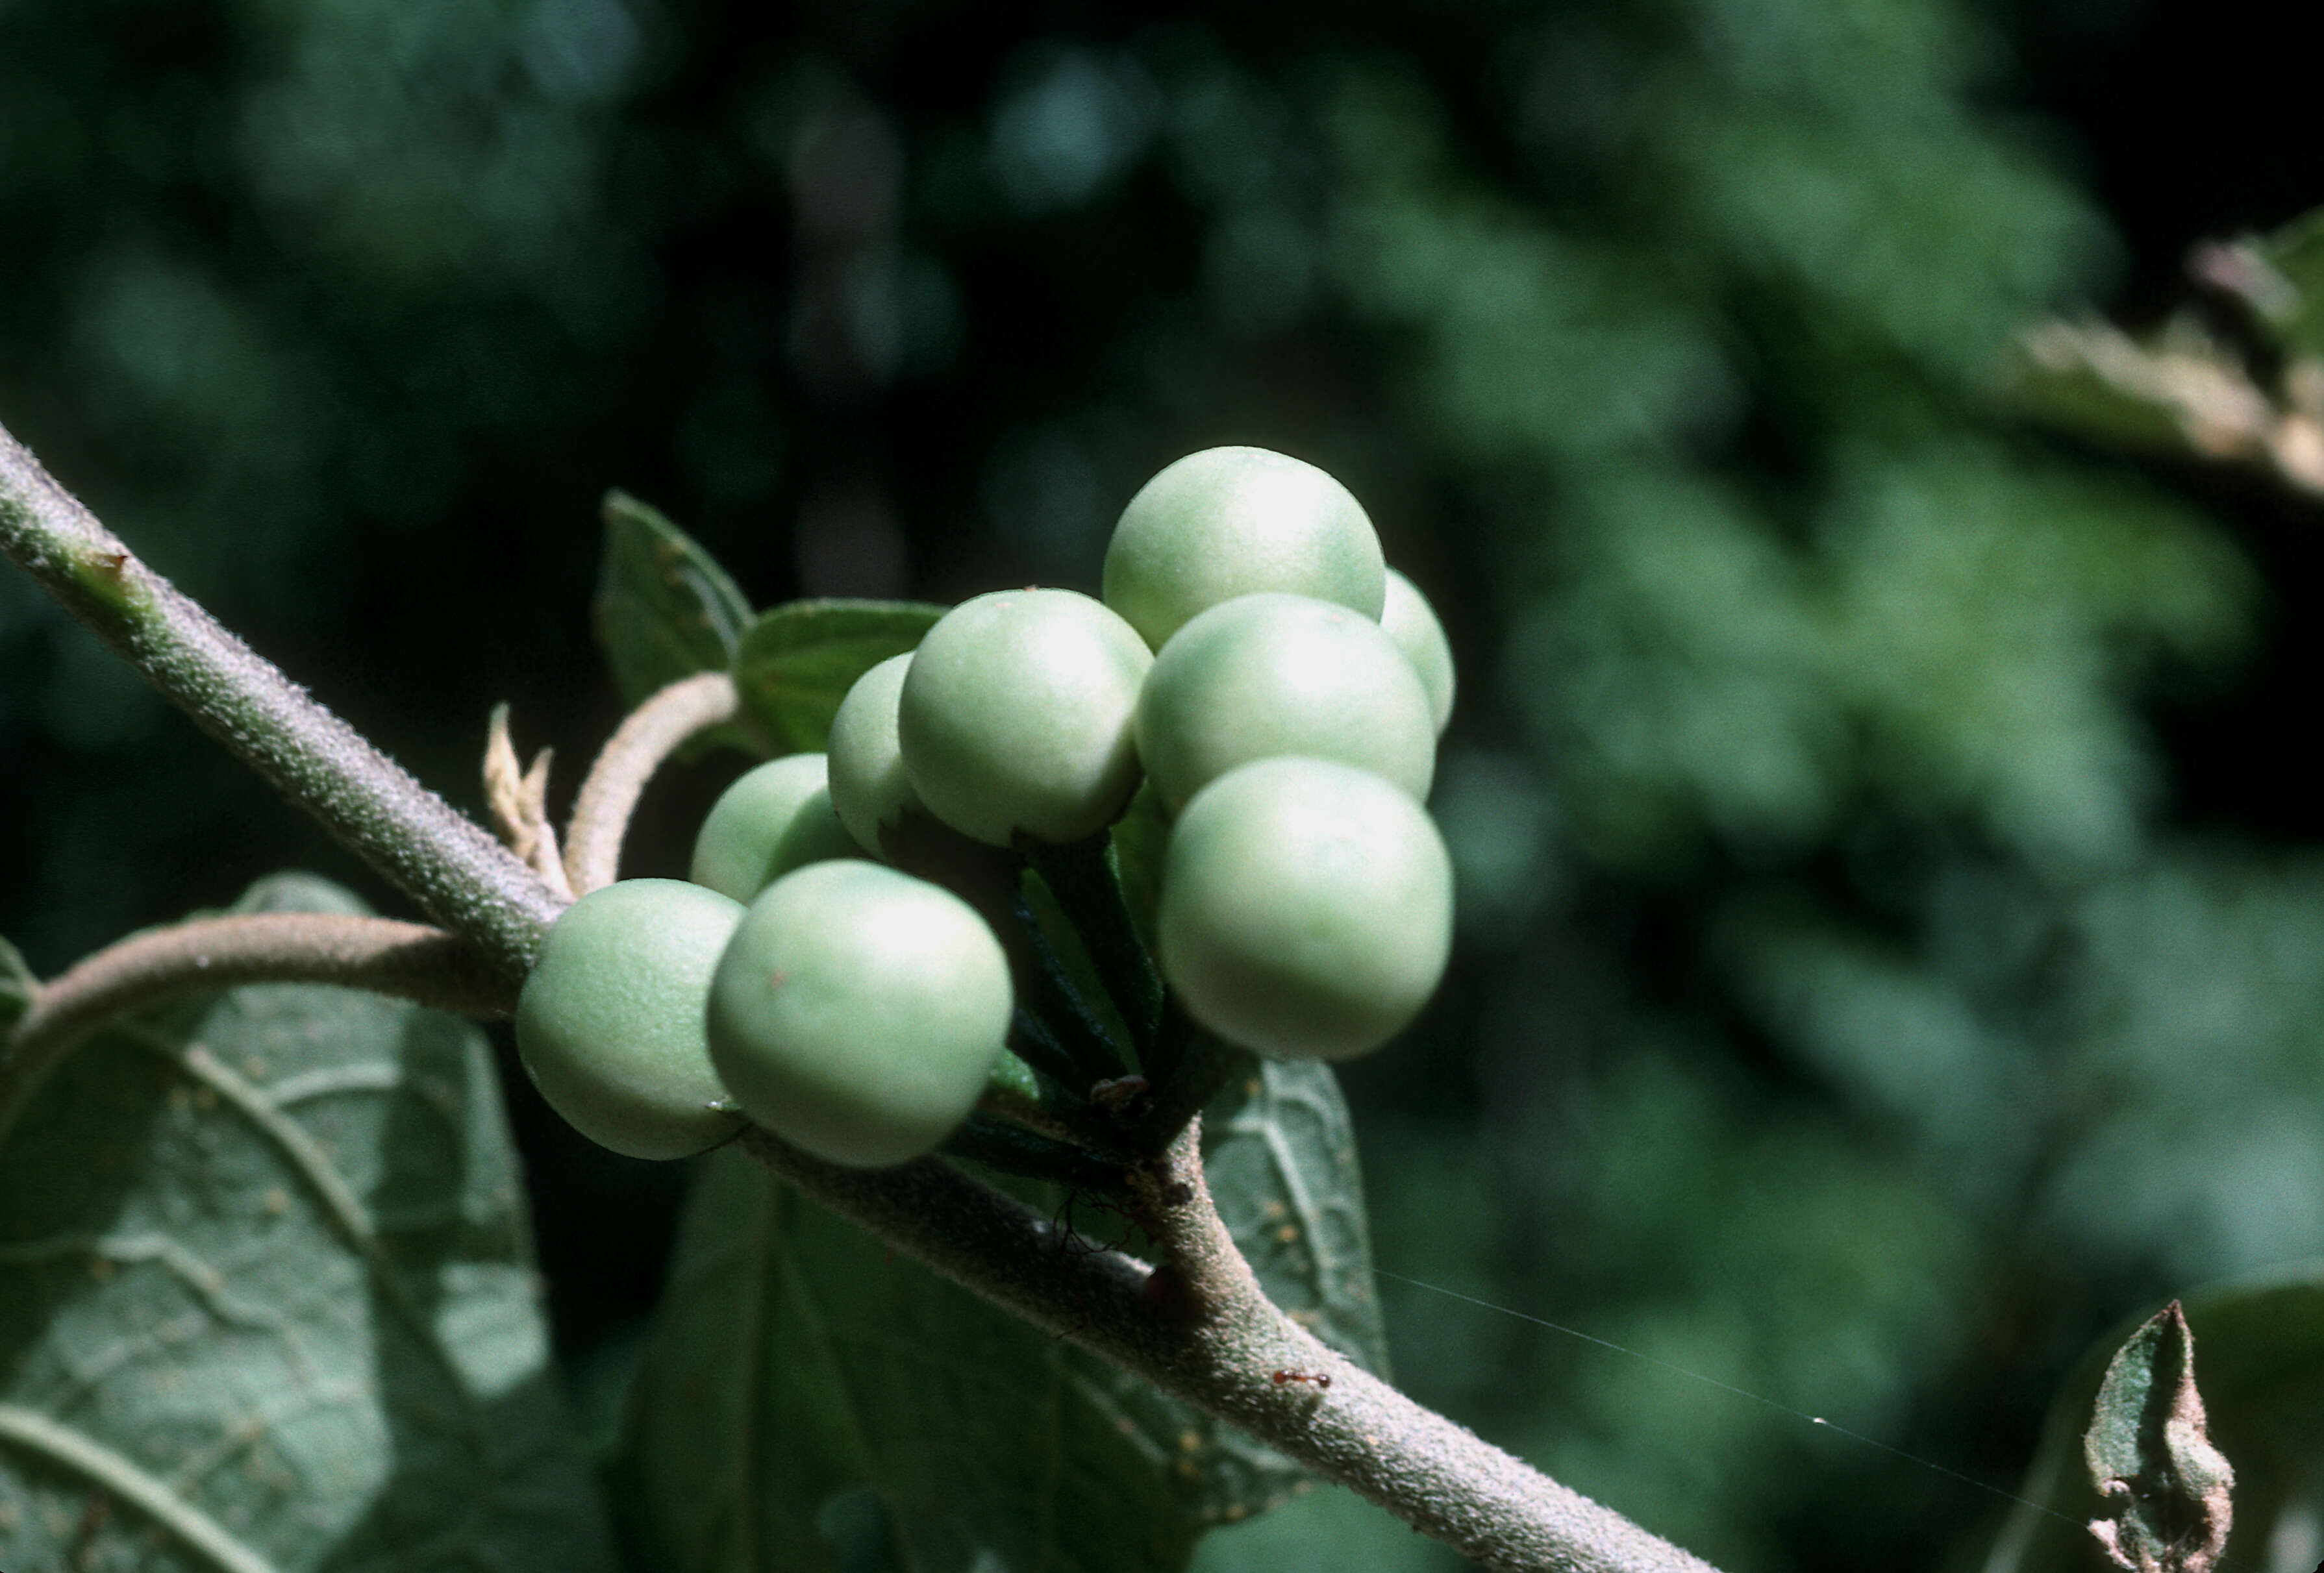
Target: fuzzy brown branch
[
  {"x": 1200, "y": 1327},
  {"x": 408, "y": 959}
]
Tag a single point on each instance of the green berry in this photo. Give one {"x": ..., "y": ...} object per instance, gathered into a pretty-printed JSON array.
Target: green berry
[
  {"x": 773, "y": 819},
  {"x": 1232, "y": 521},
  {"x": 1272, "y": 674},
  {"x": 1015, "y": 716},
  {"x": 869, "y": 788},
  {"x": 1408, "y": 619},
  {"x": 1306, "y": 908},
  {"x": 858, "y": 1012},
  {"x": 610, "y": 1024}
]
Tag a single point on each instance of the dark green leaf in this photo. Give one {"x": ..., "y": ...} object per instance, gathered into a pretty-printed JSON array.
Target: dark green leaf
[
  {"x": 2288, "y": 296},
  {"x": 2262, "y": 1386},
  {"x": 798, "y": 1358},
  {"x": 664, "y": 609},
  {"x": 798, "y": 662},
  {"x": 267, "y": 1301},
  {"x": 1281, "y": 1156},
  {"x": 17, "y": 985},
  {"x": 2169, "y": 1491}
]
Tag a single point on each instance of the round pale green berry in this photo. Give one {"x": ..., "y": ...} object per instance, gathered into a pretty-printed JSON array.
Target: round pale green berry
[
  {"x": 858, "y": 1012},
  {"x": 869, "y": 788},
  {"x": 1232, "y": 521},
  {"x": 1015, "y": 716},
  {"x": 1306, "y": 908},
  {"x": 1408, "y": 619},
  {"x": 1273, "y": 674},
  {"x": 773, "y": 819},
  {"x": 609, "y": 1022}
]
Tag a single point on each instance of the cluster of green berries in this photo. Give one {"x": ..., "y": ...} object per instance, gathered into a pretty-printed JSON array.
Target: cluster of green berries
[{"x": 1252, "y": 659}]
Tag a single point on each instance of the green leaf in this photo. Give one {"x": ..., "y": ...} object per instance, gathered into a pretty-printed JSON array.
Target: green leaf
[
  {"x": 798, "y": 1361},
  {"x": 2150, "y": 1456},
  {"x": 2286, "y": 292},
  {"x": 798, "y": 1358},
  {"x": 267, "y": 1301},
  {"x": 1280, "y": 1152},
  {"x": 664, "y": 609},
  {"x": 17, "y": 985},
  {"x": 2263, "y": 1395},
  {"x": 798, "y": 662}
]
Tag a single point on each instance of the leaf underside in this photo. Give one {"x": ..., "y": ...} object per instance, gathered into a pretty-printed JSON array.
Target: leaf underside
[
  {"x": 2150, "y": 1456},
  {"x": 267, "y": 1300},
  {"x": 798, "y": 1361},
  {"x": 664, "y": 609},
  {"x": 798, "y": 661},
  {"x": 2263, "y": 1397}
]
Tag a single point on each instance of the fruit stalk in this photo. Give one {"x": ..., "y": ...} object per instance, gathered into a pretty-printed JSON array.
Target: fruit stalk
[
  {"x": 609, "y": 794},
  {"x": 408, "y": 959}
]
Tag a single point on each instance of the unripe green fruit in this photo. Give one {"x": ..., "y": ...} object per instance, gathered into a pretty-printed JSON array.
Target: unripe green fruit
[
  {"x": 858, "y": 1012},
  {"x": 773, "y": 819},
  {"x": 870, "y": 789},
  {"x": 610, "y": 1024},
  {"x": 1233, "y": 522},
  {"x": 1408, "y": 619},
  {"x": 1306, "y": 908},
  {"x": 1015, "y": 716},
  {"x": 1272, "y": 674}
]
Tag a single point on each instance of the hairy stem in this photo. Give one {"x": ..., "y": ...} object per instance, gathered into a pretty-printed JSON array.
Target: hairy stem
[
  {"x": 407, "y": 959},
  {"x": 458, "y": 873},
  {"x": 609, "y": 795},
  {"x": 1199, "y": 1326}
]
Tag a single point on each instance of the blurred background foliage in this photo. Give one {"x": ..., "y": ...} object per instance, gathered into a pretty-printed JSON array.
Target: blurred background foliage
[{"x": 1891, "y": 925}]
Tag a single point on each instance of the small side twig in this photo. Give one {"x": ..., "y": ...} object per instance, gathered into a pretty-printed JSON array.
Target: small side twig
[
  {"x": 609, "y": 795},
  {"x": 519, "y": 801},
  {"x": 409, "y": 960}
]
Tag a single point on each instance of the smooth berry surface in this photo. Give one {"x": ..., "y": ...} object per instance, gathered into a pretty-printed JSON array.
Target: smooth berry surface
[
  {"x": 774, "y": 818},
  {"x": 1232, "y": 521},
  {"x": 609, "y": 1022},
  {"x": 1015, "y": 716},
  {"x": 858, "y": 1012},
  {"x": 1306, "y": 908},
  {"x": 1272, "y": 674}
]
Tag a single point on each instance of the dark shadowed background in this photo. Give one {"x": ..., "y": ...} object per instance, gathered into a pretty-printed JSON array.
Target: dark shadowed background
[{"x": 1891, "y": 914}]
